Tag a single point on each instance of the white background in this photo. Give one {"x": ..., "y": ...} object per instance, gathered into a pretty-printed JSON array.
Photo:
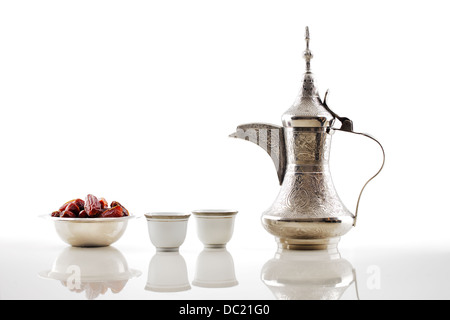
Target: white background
[{"x": 134, "y": 101}]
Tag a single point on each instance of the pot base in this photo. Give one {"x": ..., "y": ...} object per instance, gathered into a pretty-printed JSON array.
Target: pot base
[
  {"x": 308, "y": 244},
  {"x": 307, "y": 234}
]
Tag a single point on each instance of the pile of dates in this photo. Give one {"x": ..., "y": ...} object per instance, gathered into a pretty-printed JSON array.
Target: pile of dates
[{"x": 91, "y": 207}]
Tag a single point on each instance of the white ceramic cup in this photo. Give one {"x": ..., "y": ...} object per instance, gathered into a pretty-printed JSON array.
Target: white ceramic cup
[
  {"x": 167, "y": 230},
  {"x": 215, "y": 227}
]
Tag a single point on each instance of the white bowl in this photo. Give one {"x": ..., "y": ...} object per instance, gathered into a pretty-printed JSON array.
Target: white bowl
[
  {"x": 90, "y": 232},
  {"x": 215, "y": 227},
  {"x": 167, "y": 230}
]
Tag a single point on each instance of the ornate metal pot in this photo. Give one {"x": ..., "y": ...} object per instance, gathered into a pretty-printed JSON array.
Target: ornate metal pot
[{"x": 308, "y": 213}]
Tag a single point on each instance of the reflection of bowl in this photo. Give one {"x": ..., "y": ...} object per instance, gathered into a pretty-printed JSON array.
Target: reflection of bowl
[
  {"x": 90, "y": 232},
  {"x": 215, "y": 227},
  {"x": 215, "y": 269},
  {"x": 308, "y": 275},
  {"x": 167, "y": 230},
  {"x": 167, "y": 272},
  {"x": 93, "y": 270}
]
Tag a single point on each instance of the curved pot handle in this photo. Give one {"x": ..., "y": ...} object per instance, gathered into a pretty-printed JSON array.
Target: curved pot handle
[
  {"x": 379, "y": 170},
  {"x": 347, "y": 126}
]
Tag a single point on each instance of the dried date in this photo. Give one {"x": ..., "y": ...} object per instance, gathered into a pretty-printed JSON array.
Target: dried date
[
  {"x": 103, "y": 203},
  {"x": 72, "y": 207},
  {"x": 116, "y": 203},
  {"x": 82, "y": 214},
  {"x": 68, "y": 214},
  {"x": 78, "y": 202},
  {"x": 92, "y": 206},
  {"x": 63, "y": 207},
  {"x": 114, "y": 212}
]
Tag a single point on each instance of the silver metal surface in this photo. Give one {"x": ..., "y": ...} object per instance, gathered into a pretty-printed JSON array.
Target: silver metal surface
[
  {"x": 90, "y": 232},
  {"x": 308, "y": 213},
  {"x": 269, "y": 137},
  {"x": 308, "y": 109}
]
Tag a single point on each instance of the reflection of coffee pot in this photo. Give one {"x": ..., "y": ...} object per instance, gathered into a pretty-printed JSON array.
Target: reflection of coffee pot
[
  {"x": 308, "y": 213},
  {"x": 308, "y": 275}
]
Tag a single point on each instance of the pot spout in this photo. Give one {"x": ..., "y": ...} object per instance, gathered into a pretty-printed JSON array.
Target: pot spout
[{"x": 270, "y": 138}]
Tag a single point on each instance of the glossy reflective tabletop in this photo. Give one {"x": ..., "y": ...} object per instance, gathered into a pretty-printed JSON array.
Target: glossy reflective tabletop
[{"x": 47, "y": 268}]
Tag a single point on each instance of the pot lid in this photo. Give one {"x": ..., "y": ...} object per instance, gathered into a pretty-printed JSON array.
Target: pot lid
[{"x": 308, "y": 109}]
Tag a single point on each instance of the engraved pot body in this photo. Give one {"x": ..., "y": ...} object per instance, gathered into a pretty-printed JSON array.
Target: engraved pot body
[{"x": 308, "y": 213}]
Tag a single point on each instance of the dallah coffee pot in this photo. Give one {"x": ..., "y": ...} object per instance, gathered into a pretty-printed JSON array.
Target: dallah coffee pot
[{"x": 308, "y": 213}]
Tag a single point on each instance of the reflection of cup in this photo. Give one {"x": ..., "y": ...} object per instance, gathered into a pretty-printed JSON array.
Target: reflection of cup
[
  {"x": 167, "y": 272},
  {"x": 215, "y": 269},
  {"x": 92, "y": 270},
  {"x": 308, "y": 275}
]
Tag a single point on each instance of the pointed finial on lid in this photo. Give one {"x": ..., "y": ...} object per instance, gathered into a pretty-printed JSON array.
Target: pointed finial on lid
[
  {"x": 307, "y": 53},
  {"x": 307, "y": 110}
]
